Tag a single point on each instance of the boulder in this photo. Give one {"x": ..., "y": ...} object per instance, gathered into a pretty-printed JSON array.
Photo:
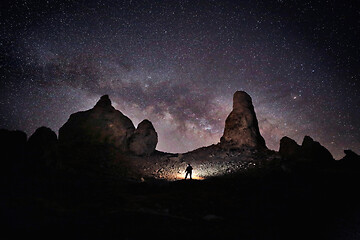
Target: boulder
[
  {"x": 93, "y": 136},
  {"x": 307, "y": 156},
  {"x": 241, "y": 126},
  {"x": 102, "y": 124},
  {"x": 351, "y": 160},
  {"x": 313, "y": 150},
  {"x": 42, "y": 146},
  {"x": 144, "y": 139},
  {"x": 289, "y": 149},
  {"x": 350, "y": 156}
]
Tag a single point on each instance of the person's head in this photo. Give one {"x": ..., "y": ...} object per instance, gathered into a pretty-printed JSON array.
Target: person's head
[{"x": 188, "y": 164}]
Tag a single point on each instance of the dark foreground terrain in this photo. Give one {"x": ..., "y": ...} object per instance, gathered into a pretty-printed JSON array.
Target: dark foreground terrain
[
  {"x": 103, "y": 178},
  {"x": 257, "y": 204}
]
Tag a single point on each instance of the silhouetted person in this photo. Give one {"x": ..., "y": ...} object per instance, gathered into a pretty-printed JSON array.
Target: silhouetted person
[{"x": 188, "y": 171}]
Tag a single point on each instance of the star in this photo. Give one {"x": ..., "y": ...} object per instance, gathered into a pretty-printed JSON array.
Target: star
[{"x": 179, "y": 63}]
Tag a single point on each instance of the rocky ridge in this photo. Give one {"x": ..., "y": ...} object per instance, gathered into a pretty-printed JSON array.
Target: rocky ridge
[{"x": 103, "y": 138}]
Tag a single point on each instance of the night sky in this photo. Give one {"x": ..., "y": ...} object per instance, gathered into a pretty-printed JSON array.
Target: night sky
[{"x": 178, "y": 63}]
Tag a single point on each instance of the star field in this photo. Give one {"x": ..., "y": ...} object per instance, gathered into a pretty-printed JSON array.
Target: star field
[{"x": 178, "y": 63}]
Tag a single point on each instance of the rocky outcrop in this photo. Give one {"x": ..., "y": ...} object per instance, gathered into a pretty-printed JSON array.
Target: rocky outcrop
[
  {"x": 350, "y": 156},
  {"x": 289, "y": 149},
  {"x": 102, "y": 124},
  {"x": 144, "y": 139},
  {"x": 241, "y": 126},
  {"x": 103, "y": 136},
  {"x": 313, "y": 150},
  {"x": 350, "y": 160},
  {"x": 95, "y": 137},
  {"x": 42, "y": 147},
  {"x": 309, "y": 154}
]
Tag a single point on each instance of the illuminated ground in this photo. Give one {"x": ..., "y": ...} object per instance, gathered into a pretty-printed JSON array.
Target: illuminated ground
[{"x": 207, "y": 162}]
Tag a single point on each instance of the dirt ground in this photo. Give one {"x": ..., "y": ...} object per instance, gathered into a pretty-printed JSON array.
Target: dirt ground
[{"x": 253, "y": 204}]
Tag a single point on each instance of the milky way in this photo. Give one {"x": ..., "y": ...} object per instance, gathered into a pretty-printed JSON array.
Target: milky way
[{"x": 178, "y": 63}]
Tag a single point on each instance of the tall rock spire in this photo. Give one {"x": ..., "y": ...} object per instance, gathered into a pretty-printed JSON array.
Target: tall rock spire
[{"x": 241, "y": 126}]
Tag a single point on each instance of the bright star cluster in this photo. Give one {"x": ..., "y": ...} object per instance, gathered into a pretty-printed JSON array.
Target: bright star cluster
[{"x": 178, "y": 63}]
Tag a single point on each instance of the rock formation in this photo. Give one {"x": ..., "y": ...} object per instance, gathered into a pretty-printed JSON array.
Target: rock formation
[
  {"x": 42, "y": 146},
  {"x": 241, "y": 126},
  {"x": 103, "y": 136},
  {"x": 102, "y": 124},
  {"x": 310, "y": 151},
  {"x": 314, "y": 150},
  {"x": 95, "y": 137},
  {"x": 289, "y": 149},
  {"x": 144, "y": 139},
  {"x": 350, "y": 156},
  {"x": 350, "y": 160}
]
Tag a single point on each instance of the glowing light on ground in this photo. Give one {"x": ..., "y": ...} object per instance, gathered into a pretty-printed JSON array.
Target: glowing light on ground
[{"x": 195, "y": 176}]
